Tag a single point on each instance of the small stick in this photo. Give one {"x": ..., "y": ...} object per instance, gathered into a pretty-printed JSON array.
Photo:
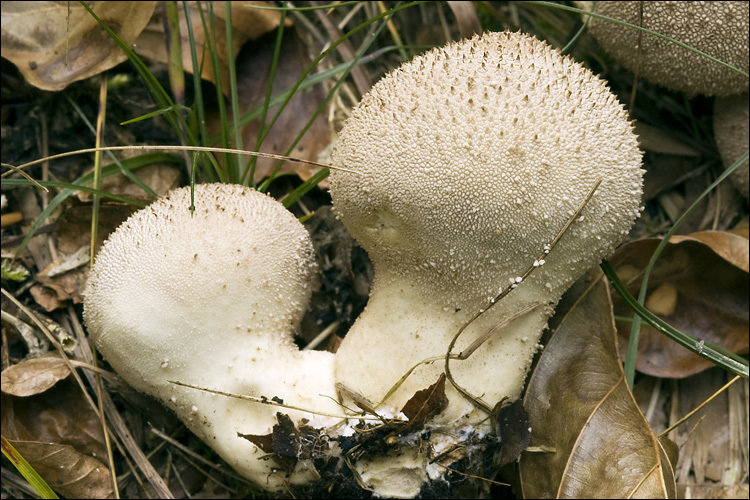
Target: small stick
[{"x": 265, "y": 401}]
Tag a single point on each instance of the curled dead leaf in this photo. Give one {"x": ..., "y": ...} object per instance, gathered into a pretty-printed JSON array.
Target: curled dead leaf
[
  {"x": 592, "y": 440},
  {"x": 699, "y": 285},
  {"x": 33, "y": 376},
  {"x": 56, "y": 43}
]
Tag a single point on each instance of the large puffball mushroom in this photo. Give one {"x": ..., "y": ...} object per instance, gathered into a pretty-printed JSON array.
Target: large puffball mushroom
[
  {"x": 468, "y": 161},
  {"x": 719, "y": 29},
  {"x": 731, "y": 130},
  {"x": 211, "y": 298}
]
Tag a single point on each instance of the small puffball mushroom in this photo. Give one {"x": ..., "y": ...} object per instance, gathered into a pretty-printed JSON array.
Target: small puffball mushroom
[
  {"x": 719, "y": 29},
  {"x": 469, "y": 160},
  {"x": 211, "y": 298},
  {"x": 731, "y": 130}
]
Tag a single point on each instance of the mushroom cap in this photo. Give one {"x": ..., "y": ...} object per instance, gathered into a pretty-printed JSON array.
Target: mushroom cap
[
  {"x": 720, "y": 29},
  {"x": 467, "y": 161},
  {"x": 211, "y": 298},
  {"x": 471, "y": 157},
  {"x": 169, "y": 279},
  {"x": 732, "y": 130}
]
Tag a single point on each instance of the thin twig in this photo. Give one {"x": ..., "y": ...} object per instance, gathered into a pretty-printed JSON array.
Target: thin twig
[{"x": 179, "y": 148}]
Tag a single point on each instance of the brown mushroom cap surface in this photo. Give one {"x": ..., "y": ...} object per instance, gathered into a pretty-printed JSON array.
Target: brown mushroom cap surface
[
  {"x": 732, "y": 132},
  {"x": 720, "y": 29}
]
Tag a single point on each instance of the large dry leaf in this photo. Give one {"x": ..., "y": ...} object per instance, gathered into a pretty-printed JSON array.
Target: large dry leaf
[
  {"x": 253, "y": 69},
  {"x": 699, "y": 285},
  {"x": 596, "y": 442},
  {"x": 33, "y": 376},
  {"x": 67, "y": 471},
  {"x": 247, "y": 24},
  {"x": 57, "y": 43},
  {"x": 60, "y": 415}
]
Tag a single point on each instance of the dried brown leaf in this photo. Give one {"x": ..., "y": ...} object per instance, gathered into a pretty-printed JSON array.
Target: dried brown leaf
[
  {"x": 60, "y": 415},
  {"x": 466, "y": 18},
  {"x": 247, "y": 24},
  {"x": 33, "y": 376},
  {"x": 596, "y": 442},
  {"x": 514, "y": 431},
  {"x": 657, "y": 140},
  {"x": 425, "y": 404},
  {"x": 253, "y": 69},
  {"x": 699, "y": 285},
  {"x": 57, "y": 43},
  {"x": 68, "y": 472}
]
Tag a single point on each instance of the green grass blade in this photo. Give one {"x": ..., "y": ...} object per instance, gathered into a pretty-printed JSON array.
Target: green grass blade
[
  {"x": 234, "y": 99},
  {"x": 26, "y": 470},
  {"x": 349, "y": 66},
  {"x": 200, "y": 110},
  {"x": 635, "y": 328},
  {"x": 131, "y": 164},
  {"x": 717, "y": 355}
]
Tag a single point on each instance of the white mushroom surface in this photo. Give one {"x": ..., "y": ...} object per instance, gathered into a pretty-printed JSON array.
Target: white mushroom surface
[
  {"x": 469, "y": 160},
  {"x": 720, "y": 29},
  {"x": 211, "y": 298}
]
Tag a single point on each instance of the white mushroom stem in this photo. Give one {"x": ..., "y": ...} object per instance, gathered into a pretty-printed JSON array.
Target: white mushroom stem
[
  {"x": 471, "y": 159},
  {"x": 211, "y": 299}
]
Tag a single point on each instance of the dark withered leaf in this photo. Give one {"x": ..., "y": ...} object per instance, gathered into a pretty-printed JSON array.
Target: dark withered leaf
[
  {"x": 699, "y": 285},
  {"x": 426, "y": 403},
  {"x": 514, "y": 431},
  {"x": 285, "y": 437},
  {"x": 264, "y": 442},
  {"x": 283, "y": 440}
]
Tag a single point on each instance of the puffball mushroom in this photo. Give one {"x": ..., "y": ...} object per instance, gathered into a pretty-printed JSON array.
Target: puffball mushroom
[
  {"x": 469, "y": 159},
  {"x": 731, "y": 130},
  {"x": 716, "y": 28},
  {"x": 211, "y": 298}
]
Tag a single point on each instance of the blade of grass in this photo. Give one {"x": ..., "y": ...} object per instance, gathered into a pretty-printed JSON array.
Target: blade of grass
[
  {"x": 75, "y": 187},
  {"x": 385, "y": 15},
  {"x": 26, "y": 470},
  {"x": 228, "y": 173},
  {"x": 303, "y": 9},
  {"x": 200, "y": 110},
  {"x": 717, "y": 355},
  {"x": 160, "y": 96},
  {"x": 127, "y": 173},
  {"x": 233, "y": 87},
  {"x": 80, "y": 185},
  {"x": 635, "y": 329},
  {"x": 248, "y": 175},
  {"x": 157, "y": 91}
]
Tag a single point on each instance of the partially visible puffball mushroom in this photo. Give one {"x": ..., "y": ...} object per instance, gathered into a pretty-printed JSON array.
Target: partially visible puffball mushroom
[
  {"x": 211, "y": 298},
  {"x": 469, "y": 159},
  {"x": 719, "y": 29},
  {"x": 732, "y": 132}
]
